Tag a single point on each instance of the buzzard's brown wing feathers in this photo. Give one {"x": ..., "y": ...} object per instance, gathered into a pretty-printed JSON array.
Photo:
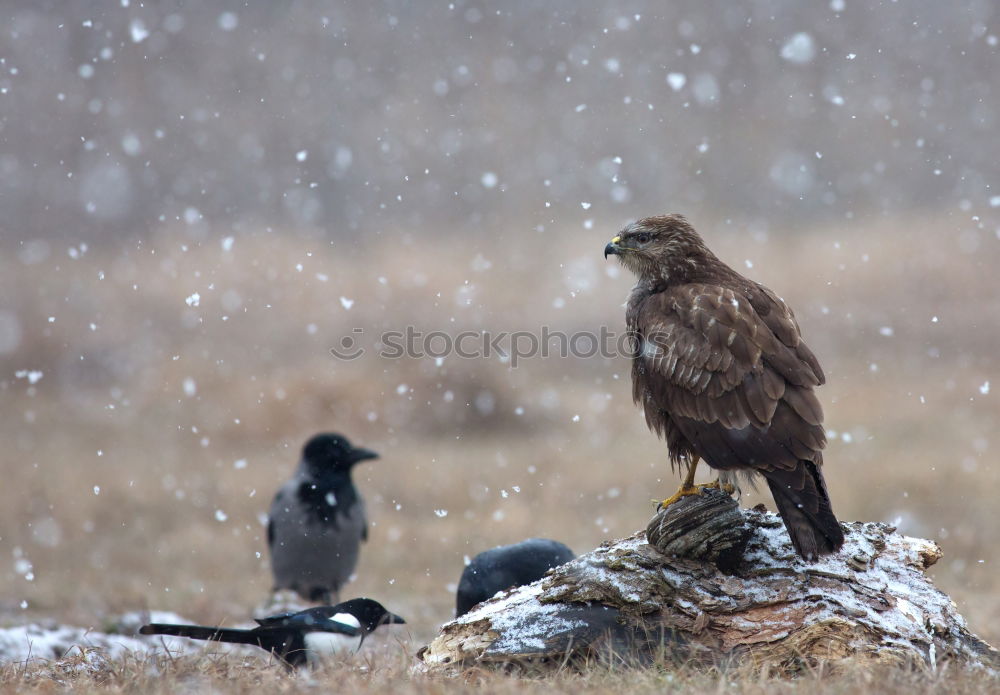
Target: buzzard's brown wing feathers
[
  {"x": 778, "y": 317},
  {"x": 705, "y": 353}
]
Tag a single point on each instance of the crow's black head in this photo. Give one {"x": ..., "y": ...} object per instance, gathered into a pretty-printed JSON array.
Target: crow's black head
[
  {"x": 370, "y": 613},
  {"x": 329, "y": 452}
]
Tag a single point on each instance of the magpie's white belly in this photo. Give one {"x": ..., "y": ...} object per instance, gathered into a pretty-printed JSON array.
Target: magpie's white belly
[{"x": 324, "y": 644}]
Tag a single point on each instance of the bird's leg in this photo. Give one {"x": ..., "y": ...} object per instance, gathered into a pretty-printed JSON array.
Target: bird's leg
[
  {"x": 320, "y": 595},
  {"x": 687, "y": 487}
]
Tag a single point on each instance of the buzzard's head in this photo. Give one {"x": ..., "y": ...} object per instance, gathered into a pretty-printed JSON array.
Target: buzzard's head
[{"x": 654, "y": 245}]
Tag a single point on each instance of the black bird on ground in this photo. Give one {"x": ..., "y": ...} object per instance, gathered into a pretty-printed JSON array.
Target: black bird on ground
[
  {"x": 317, "y": 521},
  {"x": 297, "y": 638},
  {"x": 508, "y": 566}
]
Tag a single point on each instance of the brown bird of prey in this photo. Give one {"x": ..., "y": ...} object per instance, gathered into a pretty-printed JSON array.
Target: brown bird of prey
[{"x": 722, "y": 374}]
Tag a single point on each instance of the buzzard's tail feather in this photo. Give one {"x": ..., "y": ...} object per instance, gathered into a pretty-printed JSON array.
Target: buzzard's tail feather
[
  {"x": 217, "y": 634},
  {"x": 804, "y": 505}
]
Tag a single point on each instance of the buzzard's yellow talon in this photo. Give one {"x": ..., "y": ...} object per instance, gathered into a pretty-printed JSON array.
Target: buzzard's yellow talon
[
  {"x": 687, "y": 490},
  {"x": 687, "y": 487},
  {"x": 684, "y": 491}
]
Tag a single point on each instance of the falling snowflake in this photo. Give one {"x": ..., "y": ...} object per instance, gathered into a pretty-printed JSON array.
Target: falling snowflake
[
  {"x": 799, "y": 48},
  {"x": 32, "y": 375},
  {"x": 138, "y": 31}
]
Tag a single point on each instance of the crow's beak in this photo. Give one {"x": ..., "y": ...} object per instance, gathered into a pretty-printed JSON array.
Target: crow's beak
[
  {"x": 395, "y": 620},
  {"x": 613, "y": 248},
  {"x": 360, "y": 454}
]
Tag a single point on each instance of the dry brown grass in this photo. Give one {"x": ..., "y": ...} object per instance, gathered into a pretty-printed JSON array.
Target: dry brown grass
[
  {"x": 217, "y": 674},
  {"x": 111, "y": 413}
]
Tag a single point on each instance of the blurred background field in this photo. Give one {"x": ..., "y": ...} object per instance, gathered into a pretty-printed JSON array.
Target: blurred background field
[{"x": 200, "y": 201}]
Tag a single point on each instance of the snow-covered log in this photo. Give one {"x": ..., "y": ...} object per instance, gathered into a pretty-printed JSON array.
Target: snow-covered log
[{"x": 730, "y": 589}]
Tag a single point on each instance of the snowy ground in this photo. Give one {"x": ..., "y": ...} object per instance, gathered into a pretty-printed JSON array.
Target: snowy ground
[
  {"x": 39, "y": 643},
  {"x": 50, "y": 641}
]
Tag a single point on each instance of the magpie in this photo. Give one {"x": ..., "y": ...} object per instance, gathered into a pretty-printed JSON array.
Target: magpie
[
  {"x": 297, "y": 638},
  {"x": 507, "y": 566},
  {"x": 317, "y": 521}
]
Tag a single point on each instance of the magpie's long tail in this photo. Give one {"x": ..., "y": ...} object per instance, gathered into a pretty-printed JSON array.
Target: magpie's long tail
[
  {"x": 217, "y": 634},
  {"x": 804, "y": 505}
]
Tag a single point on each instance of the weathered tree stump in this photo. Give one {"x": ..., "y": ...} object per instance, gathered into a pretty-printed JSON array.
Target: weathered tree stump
[
  {"x": 729, "y": 588},
  {"x": 706, "y": 527}
]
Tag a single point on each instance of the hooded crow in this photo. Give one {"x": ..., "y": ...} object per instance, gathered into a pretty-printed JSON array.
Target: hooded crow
[
  {"x": 317, "y": 521},
  {"x": 297, "y": 638},
  {"x": 508, "y": 566}
]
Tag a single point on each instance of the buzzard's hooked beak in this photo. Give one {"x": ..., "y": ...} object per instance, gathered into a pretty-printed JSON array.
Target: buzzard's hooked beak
[{"x": 613, "y": 248}]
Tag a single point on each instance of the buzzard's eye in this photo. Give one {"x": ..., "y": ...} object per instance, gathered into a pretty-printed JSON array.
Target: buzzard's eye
[{"x": 642, "y": 238}]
